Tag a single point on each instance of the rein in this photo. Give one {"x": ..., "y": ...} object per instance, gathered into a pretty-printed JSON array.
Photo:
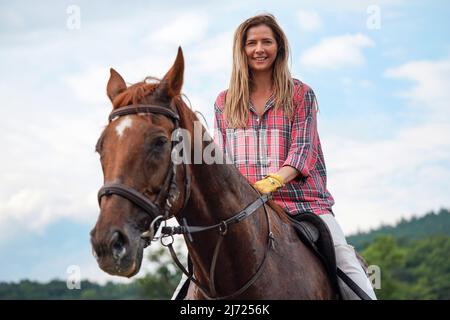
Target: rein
[
  {"x": 172, "y": 194},
  {"x": 222, "y": 227}
]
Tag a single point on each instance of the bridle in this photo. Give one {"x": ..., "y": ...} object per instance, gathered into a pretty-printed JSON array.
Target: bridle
[
  {"x": 171, "y": 193},
  {"x": 169, "y": 188}
]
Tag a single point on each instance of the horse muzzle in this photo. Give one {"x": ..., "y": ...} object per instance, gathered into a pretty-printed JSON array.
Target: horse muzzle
[{"x": 118, "y": 254}]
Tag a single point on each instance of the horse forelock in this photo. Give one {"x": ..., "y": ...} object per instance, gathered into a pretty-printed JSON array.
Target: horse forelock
[{"x": 136, "y": 93}]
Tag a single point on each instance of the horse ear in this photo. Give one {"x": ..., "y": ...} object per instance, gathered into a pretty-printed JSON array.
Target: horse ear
[
  {"x": 116, "y": 84},
  {"x": 173, "y": 80}
]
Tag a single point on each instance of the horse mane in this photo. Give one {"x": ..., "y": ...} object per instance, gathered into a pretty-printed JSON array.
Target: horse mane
[
  {"x": 283, "y": 215},
  {"x": 187, "y": 115}
]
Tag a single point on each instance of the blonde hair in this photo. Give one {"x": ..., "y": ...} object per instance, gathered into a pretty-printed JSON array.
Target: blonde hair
[{"x": 238, "y": 96}]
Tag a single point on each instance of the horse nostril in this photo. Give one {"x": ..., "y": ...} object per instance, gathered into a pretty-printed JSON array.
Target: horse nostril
[{"x": 118, "y": 245}]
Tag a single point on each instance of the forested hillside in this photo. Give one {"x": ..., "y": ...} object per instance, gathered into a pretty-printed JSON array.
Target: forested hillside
[
  {"x": 431, "y": 224},
  {"x": 413, "y": 258}
]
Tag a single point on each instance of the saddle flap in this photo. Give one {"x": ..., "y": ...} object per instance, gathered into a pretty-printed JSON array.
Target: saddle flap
[
  {"x": 310, "y": 230},
  {"x": 314, "y": 233}
]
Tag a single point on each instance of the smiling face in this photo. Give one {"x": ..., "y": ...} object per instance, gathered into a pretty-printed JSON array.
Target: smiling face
[{"x": 260, "y": 48}]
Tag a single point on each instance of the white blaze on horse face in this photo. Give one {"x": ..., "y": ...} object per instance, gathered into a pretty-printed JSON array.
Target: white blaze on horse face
[{"x": 125, "y": 122}]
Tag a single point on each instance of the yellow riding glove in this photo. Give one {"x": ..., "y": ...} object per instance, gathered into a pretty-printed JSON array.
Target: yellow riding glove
[{"x": 270, "y": 183}]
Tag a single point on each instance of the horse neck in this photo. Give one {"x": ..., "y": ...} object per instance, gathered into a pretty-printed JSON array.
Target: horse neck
[
  {"x": 218, "y": 189},
  {"x": 217, "y": 193}
]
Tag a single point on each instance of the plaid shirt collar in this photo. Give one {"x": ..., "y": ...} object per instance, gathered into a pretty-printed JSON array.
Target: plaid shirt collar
[{"x": 269, "y": 104}]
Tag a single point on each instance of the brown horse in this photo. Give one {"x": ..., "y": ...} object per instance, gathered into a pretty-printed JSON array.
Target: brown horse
[{"x": 141, "y": 179}]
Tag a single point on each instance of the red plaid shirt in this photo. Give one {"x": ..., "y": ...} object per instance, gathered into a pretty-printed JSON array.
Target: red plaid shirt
[{"x": 272, "y": 141}]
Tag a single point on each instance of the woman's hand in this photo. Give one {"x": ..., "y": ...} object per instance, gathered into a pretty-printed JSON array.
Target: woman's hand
[
  {"x": 270, "y": 183},
  {"x": 275, "y": 181}
]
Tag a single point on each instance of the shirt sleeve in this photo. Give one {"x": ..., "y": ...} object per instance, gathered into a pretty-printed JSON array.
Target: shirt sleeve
[{"x": 302, "y": 153}]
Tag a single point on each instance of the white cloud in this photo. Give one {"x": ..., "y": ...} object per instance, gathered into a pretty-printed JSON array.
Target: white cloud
[
  {"x": 185, "y": 28},
  {"x": 337, "y": 52},
  {"x": 384, "y": 180},
  {"x": 89, "y": 85},
  {"x": 10, "y": 18},
  {"x": 309, "y": 20},
  {"x": 432, "y": 80},
  {"x": 346, "y": 81},
  {"x": 349, "y": 85},
  {"x": 366, "y": 83},
  {"x": 45, "y": 170},
  {"x": 388, "y": 179},
  {"x": 358, "y": 6},
  {"x": 208, "y": 61},
  {"x": 214, "y": 54},
  {"x": 49, "y": 159},
  {"x": 394, "y": 52}
]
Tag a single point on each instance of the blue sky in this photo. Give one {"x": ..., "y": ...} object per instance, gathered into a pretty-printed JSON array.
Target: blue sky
[{"x": 383, "y": 91}]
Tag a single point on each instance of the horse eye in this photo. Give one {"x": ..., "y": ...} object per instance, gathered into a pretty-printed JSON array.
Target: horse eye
[
  {"x": 160, "y": 142},
  {"x": 157, "y": 144}
]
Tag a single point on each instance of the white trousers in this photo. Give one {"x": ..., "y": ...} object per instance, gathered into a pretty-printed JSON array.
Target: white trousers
[{"x": 347, "y": 261}]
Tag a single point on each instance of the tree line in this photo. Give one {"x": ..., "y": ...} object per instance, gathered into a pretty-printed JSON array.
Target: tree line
[{"x": 413, "y": 257}]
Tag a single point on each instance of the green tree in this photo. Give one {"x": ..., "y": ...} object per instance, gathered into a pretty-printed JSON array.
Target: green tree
[
  {"x": 386, "y": 254},
  {"x": 431, "y": 224},
  {"x": 428, "y": 264},
  {"x": 161, "y": 283},
  {"x": 414, "y": 269}
]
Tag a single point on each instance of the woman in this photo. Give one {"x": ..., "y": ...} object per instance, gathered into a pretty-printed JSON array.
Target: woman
[{"x": 266, "y": 124}]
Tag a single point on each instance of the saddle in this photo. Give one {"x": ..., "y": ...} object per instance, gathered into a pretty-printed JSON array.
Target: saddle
[{"x": 314, "y": 233}]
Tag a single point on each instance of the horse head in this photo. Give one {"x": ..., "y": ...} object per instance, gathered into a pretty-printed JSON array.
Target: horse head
[{"x": 135, "y": 154}]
